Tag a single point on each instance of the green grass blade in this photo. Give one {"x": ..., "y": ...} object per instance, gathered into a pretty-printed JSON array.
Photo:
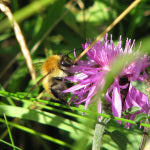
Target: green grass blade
[
  {"x": 45, "y": 118},
  {"x": 21, "y": 97},
  {"x": 10, "y": 135},
  {"x": 10, "y": 144},
  {"x": 33, "y": 132}
]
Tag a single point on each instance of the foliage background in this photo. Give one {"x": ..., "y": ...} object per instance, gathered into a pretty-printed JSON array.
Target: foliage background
[{"x": 67, "y": 25}]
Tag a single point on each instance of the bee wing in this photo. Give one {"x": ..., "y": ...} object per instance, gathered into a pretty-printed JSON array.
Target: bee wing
[
  {"x": 38, "y": 66},
  {"x": 37, "y": 83}
]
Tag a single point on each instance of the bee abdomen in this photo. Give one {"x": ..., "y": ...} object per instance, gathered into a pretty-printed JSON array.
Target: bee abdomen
[{"x": 59, "y": 85}]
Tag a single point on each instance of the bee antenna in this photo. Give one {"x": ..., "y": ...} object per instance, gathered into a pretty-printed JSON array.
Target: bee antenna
[{"x": 74, "y": 50}]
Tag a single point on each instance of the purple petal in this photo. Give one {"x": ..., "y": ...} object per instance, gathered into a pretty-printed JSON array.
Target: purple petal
[{"x": 116, "y": 102}]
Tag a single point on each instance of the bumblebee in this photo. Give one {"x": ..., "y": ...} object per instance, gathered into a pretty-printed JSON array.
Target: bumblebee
[{"x": 54, "y": 71}]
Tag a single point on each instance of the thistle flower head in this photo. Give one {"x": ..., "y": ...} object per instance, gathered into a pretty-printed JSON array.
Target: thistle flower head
[{"x": 89, "y": 77}]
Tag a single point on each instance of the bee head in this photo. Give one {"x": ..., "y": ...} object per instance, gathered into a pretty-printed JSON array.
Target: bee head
[{"x": 66, "y": 61}]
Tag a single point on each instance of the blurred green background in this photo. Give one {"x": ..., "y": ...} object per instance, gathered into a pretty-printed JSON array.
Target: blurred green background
[{"x": 61, "y": 26}]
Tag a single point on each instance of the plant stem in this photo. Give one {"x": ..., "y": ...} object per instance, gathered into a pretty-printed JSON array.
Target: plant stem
[{"x": 98, "y": 134}]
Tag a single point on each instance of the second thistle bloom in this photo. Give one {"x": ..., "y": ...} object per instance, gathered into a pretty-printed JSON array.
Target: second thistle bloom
[{"x": 90, "y": 77}]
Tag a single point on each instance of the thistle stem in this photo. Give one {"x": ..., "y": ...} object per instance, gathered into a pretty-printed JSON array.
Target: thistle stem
[{"x": 98, "y": 134}]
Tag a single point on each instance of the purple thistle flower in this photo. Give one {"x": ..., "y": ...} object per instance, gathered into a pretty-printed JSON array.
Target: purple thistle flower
[{"x": 90, "y": 77}]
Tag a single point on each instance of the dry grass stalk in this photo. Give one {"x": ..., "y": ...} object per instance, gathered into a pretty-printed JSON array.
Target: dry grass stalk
[{"x": 20, "y": 38}]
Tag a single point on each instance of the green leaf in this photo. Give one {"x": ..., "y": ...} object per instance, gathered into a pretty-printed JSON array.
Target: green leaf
[
  {"x": 131, "y": 110},
  {"x": 140, "y": 117},
  {"x": 96, "y": 14},
  {"x": 120, "y": 139}
]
